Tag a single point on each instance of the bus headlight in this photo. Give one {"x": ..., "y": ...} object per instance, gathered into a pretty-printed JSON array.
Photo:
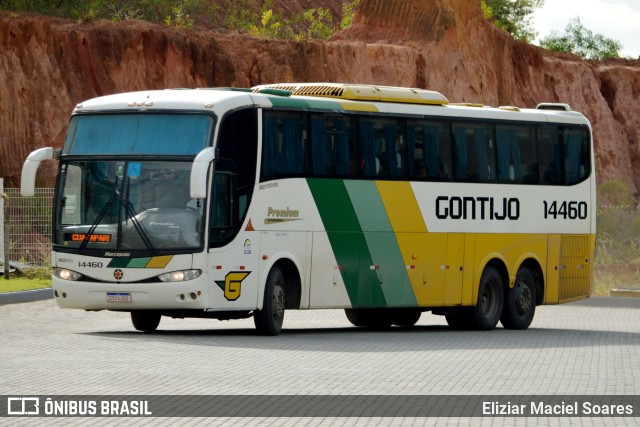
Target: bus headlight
[
  {"x": 180, "y": 276},
  {"x": 64, "y": 274}
]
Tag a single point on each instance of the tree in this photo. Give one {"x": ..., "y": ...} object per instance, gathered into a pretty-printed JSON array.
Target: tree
[
  {"x": 582, "y": 41},
  {"x": 513, "y": 16}
]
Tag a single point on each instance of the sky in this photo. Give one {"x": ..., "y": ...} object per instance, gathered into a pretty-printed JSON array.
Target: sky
[{"x": 614, "y": 19}]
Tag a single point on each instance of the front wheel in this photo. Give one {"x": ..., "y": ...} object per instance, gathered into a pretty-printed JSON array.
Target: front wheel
[
  {"x": 145, "y": 320},
  {"x": 486, "y": 314},
  {"x": 269, "y": 320},
  {"x": 520, "y": 302}
]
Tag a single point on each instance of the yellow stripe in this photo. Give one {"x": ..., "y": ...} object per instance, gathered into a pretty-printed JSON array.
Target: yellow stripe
[
  {"x": 159, "y": 261},
  {"x": 417, "y": 246},
  {"x": 445, "y": 270},
  {"x": 401, "y": 206},
  {"x": 357, "y": 106}
]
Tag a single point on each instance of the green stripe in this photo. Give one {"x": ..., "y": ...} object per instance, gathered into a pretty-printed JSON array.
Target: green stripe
[
  {"x": 382, "y": 244},
  {"x": 139, "y": 262},
  {"x": 129, "y": 262},
  {"x": 118, "y": 263},
  {"x": 305, "y": 104},
  {"x": 347, "y": 242}
]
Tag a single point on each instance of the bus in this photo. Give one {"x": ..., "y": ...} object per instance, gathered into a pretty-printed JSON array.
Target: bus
[{"x": 387, "y": 202}]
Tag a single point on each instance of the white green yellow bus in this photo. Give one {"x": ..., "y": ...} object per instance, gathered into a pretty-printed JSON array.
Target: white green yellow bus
[{"x": 386, "y": 202}]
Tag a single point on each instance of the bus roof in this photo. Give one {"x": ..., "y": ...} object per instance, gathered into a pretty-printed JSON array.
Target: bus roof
[
  {"x": 170, "y": 99},
  {"x": 329, "y": 97}
]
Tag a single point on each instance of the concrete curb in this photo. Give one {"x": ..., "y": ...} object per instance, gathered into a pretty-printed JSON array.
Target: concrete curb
[
  {"x": 26, "y": 296},
  {"x": 629, "y": 293}
]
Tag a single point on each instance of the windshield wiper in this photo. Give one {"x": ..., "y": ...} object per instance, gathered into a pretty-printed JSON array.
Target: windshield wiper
[
  {"x": 101, "y": 215},
  {"x": 131, "y": 213}
]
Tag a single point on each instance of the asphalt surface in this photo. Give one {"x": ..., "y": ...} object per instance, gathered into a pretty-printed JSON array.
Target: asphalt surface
[{"x": 585, "y": 348}]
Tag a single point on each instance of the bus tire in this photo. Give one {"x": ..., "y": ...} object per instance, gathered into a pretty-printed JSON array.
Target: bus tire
[
  {"x": 269, "y": 320},
  {"x": 486, "y": 314},
  {"x": 520, "y": 302},
  {"x": 376, "y": 318},
  {"x": 406, "y": 317},
  {"x": 458, "y": 319},
  {"x": 145, "y": 320},
  {"x": 355, "y": 316}
]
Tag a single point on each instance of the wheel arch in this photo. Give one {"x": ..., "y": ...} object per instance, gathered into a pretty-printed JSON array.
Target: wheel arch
[
  {"x": 293, "y": 283},
  {"x": 533, "y": 265},
  {"x": 498, "y": 263}
]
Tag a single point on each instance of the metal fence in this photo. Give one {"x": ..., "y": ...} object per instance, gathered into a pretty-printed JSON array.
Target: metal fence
[
  {"x": 27, "y": 232},
  {"x": 27, "y": 227}
]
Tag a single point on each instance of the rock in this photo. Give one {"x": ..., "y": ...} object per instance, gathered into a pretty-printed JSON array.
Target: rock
[{"x": 49, "y": 65}]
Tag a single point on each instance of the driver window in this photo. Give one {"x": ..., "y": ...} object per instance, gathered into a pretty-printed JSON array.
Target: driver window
[{"x": 221, "y": 218}]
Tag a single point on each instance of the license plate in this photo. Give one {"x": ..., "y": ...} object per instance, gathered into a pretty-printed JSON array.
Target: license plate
[{"x": 118, "y": 297}]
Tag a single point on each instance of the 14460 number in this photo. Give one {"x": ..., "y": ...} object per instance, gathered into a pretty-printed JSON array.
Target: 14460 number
[
  {"x": 565, "y": 210},
  {"x": 92, "y": 264}
]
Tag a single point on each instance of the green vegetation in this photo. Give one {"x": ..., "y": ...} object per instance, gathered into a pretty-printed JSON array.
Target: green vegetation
[
  {"x": 237, "y": 15},
  {"x": 23, "y": 284},
  {"x": 512, "y": 16},
  {"x": 582, "y": 41},
  {"x": 618, "y": 239}
]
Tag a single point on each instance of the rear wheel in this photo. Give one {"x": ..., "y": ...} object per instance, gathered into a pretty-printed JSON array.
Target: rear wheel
[
  {"x": 145, "y": 320},
  {"x": 377, "y": 318},
  {"x": 406, "y": 317},
  {"x": 520, "y": 302},
  {"x": 269, "y": 320},
  {"x": 458, "y": 319},
  {"x": 486, "y": 314}
]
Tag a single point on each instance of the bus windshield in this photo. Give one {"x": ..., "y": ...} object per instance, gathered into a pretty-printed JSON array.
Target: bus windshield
[
  {"x": 144, "y": 133},
  {"x": 128, "y": 205}
]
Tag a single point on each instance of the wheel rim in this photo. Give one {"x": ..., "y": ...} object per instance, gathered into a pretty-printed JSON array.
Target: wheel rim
[
  {"x": 523, "y": 297},
  {"x": 488, "y": 303},
  {"x": 278, "y": 302}
]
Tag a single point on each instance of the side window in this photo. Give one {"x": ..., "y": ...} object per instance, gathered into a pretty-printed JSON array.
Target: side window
[
  {"x": 221, "y": 219},
  {"x": 333, "y": 151},
  {"x": 549, "y": 157},
  {"x": 428, "y": 150},
  {"x": 473, "y": 152},
  {"x": 284, "y": 145},
  {"x": 72, "y": 206},
  {"x": 238, "y": 143},
  {"x": 383, "y": 147},
  {"x": 517, "y": 159},
  {"x": 575, "y": 142}
]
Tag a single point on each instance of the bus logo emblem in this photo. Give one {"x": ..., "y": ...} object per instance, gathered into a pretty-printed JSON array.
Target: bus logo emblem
[
  {"x": 232, "y": 284},
  {"x": 118, "y": 274}
]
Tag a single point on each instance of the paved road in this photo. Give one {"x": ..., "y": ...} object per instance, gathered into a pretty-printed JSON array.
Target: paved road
[{"x": 591, "y": 347}]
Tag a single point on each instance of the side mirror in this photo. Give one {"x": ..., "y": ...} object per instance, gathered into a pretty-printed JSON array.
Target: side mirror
[
  {"x": 198, "y": 184},
  {"x": 29, "y": 169}
]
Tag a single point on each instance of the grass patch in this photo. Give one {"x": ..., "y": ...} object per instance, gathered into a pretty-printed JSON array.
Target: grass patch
[
  {"x": 617, "y": 263},
  {"x": 23, "y": 284},
  {"x": 617, "y": 277}
]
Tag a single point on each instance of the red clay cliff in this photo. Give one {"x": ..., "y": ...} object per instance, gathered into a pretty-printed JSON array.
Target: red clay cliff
[{"x": 47, "y": 66}]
